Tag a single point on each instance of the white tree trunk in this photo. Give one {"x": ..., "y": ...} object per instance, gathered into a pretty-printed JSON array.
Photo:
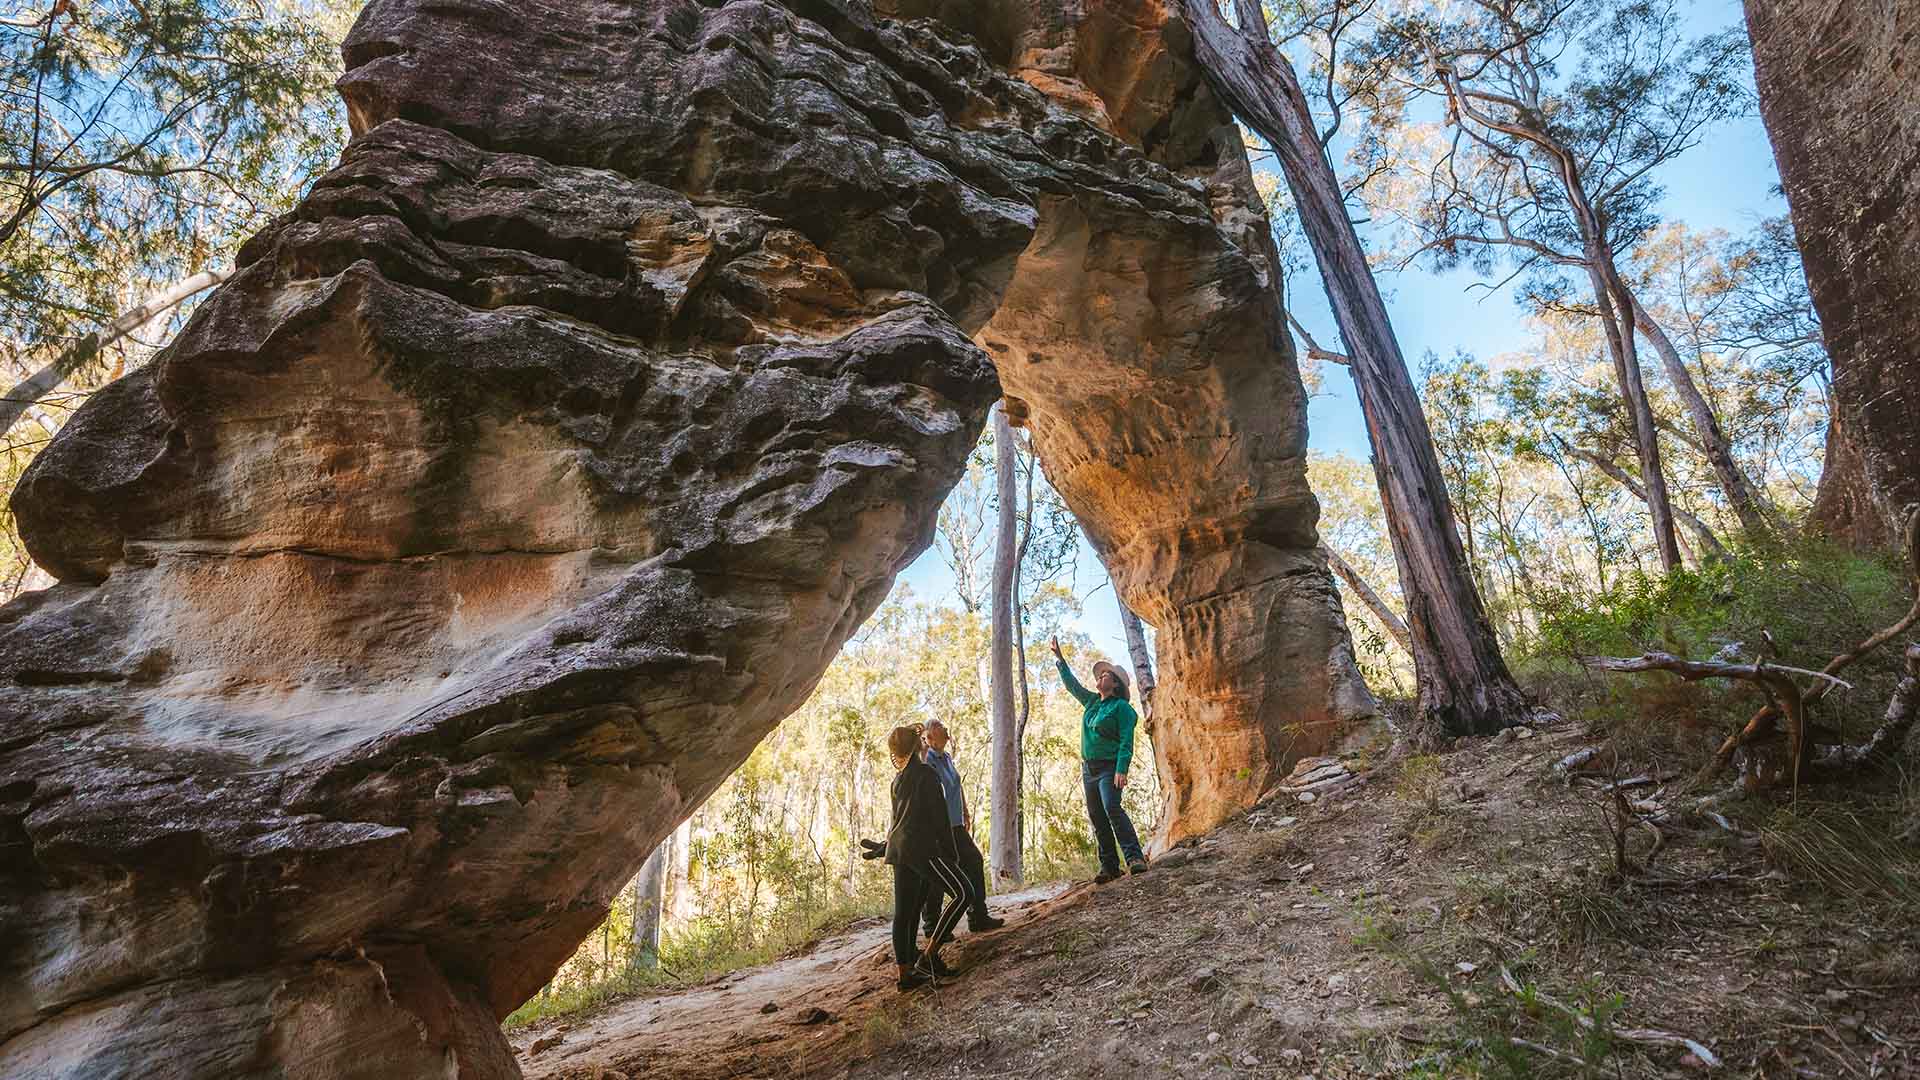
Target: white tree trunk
[
  {"x": 1608, "y": 295},
  {"x": 1004, "y": 841},
  {"x": 680, "y": 896},
  {"x": 648, "y": 889},
  {"x": 1753, "y": 510},
  {"x": 1142, "y": 662},
  {"x": 1395, "y": 626},
  {"x": 45, "y": 381}
]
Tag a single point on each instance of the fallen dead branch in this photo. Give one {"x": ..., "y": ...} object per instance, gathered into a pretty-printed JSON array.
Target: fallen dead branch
[
  {"x": 1887, "y": 739},
  {"x": 1566, "y": 765},
  {"x": 1643, "y": 1036},
  {"x": 1762, "y": 722},
  {"x": 1775, "y": 679}
]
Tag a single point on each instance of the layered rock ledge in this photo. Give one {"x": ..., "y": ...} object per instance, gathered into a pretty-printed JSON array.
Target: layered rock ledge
[{"x": 537, "y": 465}]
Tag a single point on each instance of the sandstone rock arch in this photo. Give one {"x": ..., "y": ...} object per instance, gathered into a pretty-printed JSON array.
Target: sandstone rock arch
[{"x": 533, "y": 468}]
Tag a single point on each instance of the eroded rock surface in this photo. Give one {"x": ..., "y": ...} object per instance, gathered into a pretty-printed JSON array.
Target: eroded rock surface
[
  {"x": 1838, "y": 94},
  {"x": 536, "y": 466}
]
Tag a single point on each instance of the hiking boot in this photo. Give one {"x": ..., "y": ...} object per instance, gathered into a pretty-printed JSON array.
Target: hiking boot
[
  {"x": 914, "y": 980},
  {"x": 1138, "y": 866},
  {"x": 984, "y": 924},
  {"x": 1105, "y": 876},
  {"x": 932, "y": 962}
]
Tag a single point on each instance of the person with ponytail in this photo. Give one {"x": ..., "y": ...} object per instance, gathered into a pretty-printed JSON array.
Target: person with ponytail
[{"x": 925, "y": 861}]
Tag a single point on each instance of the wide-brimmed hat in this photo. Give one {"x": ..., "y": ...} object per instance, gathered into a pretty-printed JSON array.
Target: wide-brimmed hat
[{"x": 1118, "y": 673}]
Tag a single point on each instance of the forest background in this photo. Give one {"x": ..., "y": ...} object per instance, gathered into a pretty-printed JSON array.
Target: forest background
[{"x": 143, "y": 142}]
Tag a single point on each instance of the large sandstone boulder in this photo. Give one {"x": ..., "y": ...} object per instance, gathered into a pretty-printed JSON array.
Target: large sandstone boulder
[
  {"x": 1838, "y": 94},
  {"x": 533, "y": 469}
]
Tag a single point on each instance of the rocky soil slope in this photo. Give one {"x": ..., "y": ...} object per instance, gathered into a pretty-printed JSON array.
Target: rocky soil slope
[{"x": 1372, "y": 933}]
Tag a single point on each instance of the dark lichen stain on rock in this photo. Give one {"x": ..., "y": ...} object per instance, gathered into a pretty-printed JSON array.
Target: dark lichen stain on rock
[{"x": 533, "y": 468}]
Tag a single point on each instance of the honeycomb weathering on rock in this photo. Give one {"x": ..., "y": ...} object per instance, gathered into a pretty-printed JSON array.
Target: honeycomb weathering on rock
[{"x": 537, "y": 465}]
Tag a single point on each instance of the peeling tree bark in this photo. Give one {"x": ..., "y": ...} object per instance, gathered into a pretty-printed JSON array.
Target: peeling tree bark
[
  {"x": 1464, "y": 685},
  {"x": 1004, "y": 841}
]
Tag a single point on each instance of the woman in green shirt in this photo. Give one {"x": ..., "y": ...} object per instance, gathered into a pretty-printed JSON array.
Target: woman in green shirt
[{"x": 1106, "y": 752}]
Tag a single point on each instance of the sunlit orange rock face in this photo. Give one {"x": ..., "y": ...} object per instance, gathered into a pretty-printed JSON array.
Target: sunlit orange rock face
[
  {"x": 1149, "y": 356},
  {"x": 537, "y": 465}
]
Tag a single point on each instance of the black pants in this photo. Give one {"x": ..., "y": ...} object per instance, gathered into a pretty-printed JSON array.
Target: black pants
[
  {"x": 912, "y": 885},
  {"x": 974, "y": 867}
]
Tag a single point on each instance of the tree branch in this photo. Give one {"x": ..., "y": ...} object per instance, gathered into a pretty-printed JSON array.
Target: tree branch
[{"x": 76, "y": 356}]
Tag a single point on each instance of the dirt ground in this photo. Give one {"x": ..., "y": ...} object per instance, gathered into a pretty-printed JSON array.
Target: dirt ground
[{"x": 1438, "y": 916}]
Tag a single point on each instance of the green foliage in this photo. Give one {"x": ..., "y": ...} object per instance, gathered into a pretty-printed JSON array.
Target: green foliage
[
  {"x": 140, "y": 143},
  {"x": 142, "y": 140},
  {"x": 1814, "y": 601}
]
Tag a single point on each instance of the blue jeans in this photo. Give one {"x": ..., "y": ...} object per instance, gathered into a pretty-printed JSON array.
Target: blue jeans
[{"x": 1109, "y": 818}]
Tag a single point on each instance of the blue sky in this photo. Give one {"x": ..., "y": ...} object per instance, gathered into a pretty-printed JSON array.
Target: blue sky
[{"x": 1727, "y": 182}]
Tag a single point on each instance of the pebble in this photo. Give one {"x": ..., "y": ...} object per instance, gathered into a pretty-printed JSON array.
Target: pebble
[
  {"x": 772, "y": 1007},
  {"x": 1249, "y": 1060},
  {"x": 1524, "y": 733},
  {"x": 1307, "y": 797},
  {"x": 1213, "y": 1037}
]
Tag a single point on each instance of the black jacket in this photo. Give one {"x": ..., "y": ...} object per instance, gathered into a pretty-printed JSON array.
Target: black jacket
[{"x": 920, "y": 831}]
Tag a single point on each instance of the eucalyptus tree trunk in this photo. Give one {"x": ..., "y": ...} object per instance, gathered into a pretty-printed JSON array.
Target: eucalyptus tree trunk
[
  {"x": 1710, "y": 545},
  {"x": 1755, "y": 513},
  {"x": 1611, "y": 298},
  {"x": 648, "y": 889},
  {"x": 1464, "y": 685},
  {"x": 1137, "y": 654},
  {"x": 679, "y": 865},
  {"x": 28, "y": 391},
  {"x": 1395, "y": 626},
  {"x": 1616, "y": 318},
  {"x": 1004, "y": 842}
]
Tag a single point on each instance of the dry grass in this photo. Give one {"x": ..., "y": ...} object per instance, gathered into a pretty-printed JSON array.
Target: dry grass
[{"x": 1849, "y": 850}]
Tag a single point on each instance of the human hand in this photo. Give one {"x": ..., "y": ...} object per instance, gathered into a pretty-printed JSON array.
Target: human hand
[
  {"x": 1056, "y": 649},
  {"x": 873, "y": 849},
  {"x": 1120, "y": 781}
]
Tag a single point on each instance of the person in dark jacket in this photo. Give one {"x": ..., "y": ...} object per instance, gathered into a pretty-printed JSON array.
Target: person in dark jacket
[
  {"x": 960, "y": 818},
  {"x": 1106, "y": 752},
  {"x": 921, "y": 850}
]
